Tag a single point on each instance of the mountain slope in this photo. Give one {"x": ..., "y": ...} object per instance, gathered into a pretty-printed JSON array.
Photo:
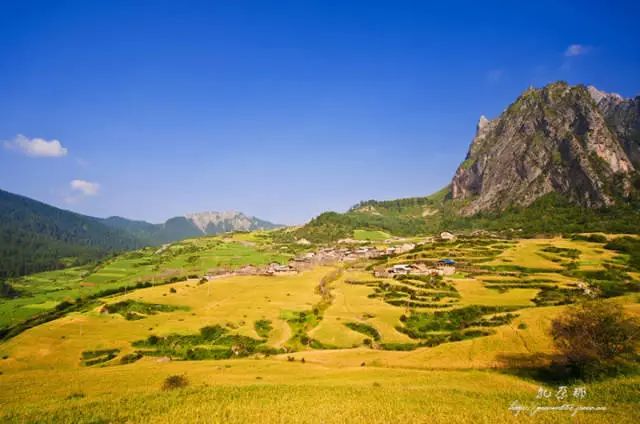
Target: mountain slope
[
  {"x": 623, "y": 118},
  {"x": 192, "y": 225},
  {"x": 559, "y": 159},
  {"x": 35, "y": 236},
  {"x": 550, "y": 140}
]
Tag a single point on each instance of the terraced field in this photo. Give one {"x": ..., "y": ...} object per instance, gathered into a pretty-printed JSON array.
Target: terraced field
[
  {"x": 42, "y": 292},
  {"x": 331, "y": 344}
]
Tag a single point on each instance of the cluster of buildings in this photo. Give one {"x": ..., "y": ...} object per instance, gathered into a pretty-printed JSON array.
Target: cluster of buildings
[
  {"x": 325, "y": 256},
  {"x": 443, "y": 267},
  {"x": 350, "y": 253},
  {"x": 335, "y": 254}
]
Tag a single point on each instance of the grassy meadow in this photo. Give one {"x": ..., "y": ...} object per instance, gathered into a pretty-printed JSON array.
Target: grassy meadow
[
  {"x": 331, "y": 344},
  {"x": 43, "y": 291}
]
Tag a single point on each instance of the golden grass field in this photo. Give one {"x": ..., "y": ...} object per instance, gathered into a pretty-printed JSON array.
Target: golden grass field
[{"x": 469, "y": 381}]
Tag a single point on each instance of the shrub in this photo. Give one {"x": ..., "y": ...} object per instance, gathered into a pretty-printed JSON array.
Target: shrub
[
  {"x": 134, "y": 310},
  {"x": 596, "y": 338},
  {"x": 93, "y": 357},
  {"x": 628, "y": 245},
  {"x": 76, "y": 395},
  {"x": 8, "y": 291},
  {"x": 130, "y": 358},
  {"x": 365, "y": 329},
  {"x": 263, "y": 328},
  {"x": 594, "y": 238},
  {"x": 175, "y": 382}
]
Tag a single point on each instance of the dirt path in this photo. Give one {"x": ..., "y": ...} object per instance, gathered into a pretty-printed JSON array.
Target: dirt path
[{"x": 283, "y": 334}]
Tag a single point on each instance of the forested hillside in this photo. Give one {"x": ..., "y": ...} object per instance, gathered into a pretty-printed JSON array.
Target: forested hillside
[
  {"x": 35, "y": 237},
  {"x": 550, "y": 214}
]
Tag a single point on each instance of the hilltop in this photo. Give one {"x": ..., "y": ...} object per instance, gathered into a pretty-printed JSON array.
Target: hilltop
[
  {"x": 560, "y": 159},
  {"x": 556, "y": 139}
]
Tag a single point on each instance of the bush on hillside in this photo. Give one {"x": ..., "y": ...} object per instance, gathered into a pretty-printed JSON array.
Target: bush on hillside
[
  {"x": 596, "y": 339},
  {"x": 175, "y": 382}
]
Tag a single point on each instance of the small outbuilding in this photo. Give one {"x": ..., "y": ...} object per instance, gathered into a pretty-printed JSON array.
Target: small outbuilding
[{"x": 447, "y": 236}]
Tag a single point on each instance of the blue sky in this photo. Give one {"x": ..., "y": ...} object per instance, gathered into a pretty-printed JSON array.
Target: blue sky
[{"x": 278, "y": 109}]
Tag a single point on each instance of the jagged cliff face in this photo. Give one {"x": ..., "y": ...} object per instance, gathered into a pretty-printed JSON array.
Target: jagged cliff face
[
  {"x": 623, "y": 117},
  {"x": 572, "y": 140}
]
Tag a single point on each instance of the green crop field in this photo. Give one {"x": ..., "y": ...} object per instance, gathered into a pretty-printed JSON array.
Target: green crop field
[
  {"x": 45, "y": 290},
  {"x": 330, "y": 344},
  {"x": 371, "y": 235}
]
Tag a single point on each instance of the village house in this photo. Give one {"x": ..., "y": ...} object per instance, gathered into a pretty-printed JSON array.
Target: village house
[
  {"x": 404, "y": 248},
  {"x": 446, "y": 266},
  {"x": 421, "y": 269},
  {"x": 447, "y": 236},
  {"x": 380, "y": 272},
  {"x": 398, "y": 250},
  {"x": 278, "y": 269},
  {"x": 400, "y": 269},
  {"x": 248, "y": 270}
]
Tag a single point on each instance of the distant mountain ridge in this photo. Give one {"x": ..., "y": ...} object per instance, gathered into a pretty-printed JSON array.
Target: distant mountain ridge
[
  {"x": 35, "y": 236},
  {"x": 191, "y": 225},
  {"x": 218, "y": 222}
]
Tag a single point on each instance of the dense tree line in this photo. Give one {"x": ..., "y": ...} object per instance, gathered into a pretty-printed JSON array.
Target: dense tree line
[{"x": 36, "y": 237}]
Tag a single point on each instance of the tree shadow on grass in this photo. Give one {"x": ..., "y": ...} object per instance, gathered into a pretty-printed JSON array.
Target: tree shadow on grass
[
  {"x": 540, "y": 367},
  {"x": 554, "y": 369}
]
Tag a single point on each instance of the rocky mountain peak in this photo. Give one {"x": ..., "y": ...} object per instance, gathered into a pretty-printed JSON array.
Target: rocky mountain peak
[
  {"x": 212, "y": 222},
  {"x": 553, "y": 139},
  {"x": 600, "y": 96},
  {"x": 202, "y": 220},
  {"x": 483, "y": 124}
]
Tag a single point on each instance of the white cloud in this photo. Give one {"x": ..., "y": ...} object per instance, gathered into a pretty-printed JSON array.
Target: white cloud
[
  {"x": 576, "y": 50},
  {"x": 36, "y": 147},
  {"x": 86, "y": 188}
]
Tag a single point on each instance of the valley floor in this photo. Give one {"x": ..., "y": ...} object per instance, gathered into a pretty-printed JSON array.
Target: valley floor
[{"x": 339, "y": 355}]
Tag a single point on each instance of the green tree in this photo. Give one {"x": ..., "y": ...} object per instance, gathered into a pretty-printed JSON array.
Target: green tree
[{"x": 596, "y": 338}]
